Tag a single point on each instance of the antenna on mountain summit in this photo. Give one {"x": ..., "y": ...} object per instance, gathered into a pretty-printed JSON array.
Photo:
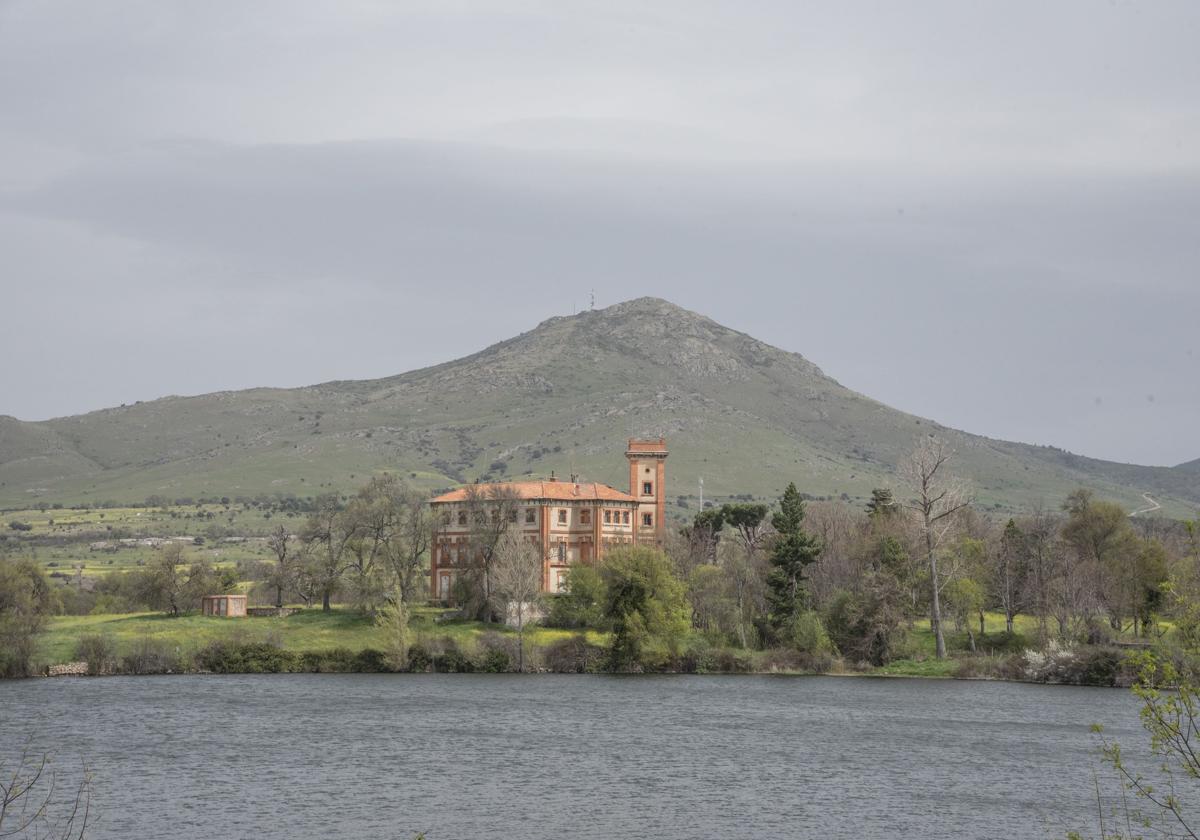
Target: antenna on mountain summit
[{"x": 592, "y": 305}]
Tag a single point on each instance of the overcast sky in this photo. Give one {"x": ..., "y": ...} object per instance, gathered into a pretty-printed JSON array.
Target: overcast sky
[{"x": 984, "y": 213}]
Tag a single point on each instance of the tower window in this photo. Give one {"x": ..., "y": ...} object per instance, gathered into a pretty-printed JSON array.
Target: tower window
[{"x": 647, "y": 488}]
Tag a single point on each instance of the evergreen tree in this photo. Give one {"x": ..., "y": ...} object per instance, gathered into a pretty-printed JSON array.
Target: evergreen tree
[
  {"x": 793, "y": 551},
  {"x": 882, "y": 504}
]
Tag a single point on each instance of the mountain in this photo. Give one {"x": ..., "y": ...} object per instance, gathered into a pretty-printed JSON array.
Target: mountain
[{"x": 746, "y": 416}]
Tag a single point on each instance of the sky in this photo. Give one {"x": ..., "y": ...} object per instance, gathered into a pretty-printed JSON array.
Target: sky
[{"x": 983, "y": 213}]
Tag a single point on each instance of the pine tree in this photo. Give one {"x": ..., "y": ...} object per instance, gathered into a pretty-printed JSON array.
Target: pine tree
[{"x": 793, "y": 551}]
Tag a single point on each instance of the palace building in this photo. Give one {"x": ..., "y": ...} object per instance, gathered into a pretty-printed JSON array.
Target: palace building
[{"x": 570, "y": 521}]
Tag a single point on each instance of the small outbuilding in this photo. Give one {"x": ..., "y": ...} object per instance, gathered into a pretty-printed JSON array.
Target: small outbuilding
[{"x": 225, "y": 606}]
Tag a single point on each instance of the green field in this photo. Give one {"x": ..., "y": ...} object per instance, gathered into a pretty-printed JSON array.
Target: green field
[
  {"x": 310, "y": 630},
  {"x": 314, "y": 630},
  {"x": 101, "y": 541}
]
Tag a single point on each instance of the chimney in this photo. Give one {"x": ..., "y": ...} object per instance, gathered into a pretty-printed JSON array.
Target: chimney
[{"x": 552, "y": 478}]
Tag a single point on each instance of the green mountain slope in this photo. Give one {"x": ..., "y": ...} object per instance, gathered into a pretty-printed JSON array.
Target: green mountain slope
[{"x": 744, "y": 415}]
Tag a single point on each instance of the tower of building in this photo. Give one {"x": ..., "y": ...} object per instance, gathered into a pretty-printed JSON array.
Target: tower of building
[{"x": 648, "y": 484}]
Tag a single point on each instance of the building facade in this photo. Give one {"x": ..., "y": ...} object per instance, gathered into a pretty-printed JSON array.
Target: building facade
[{"x": 571, "y": 522}]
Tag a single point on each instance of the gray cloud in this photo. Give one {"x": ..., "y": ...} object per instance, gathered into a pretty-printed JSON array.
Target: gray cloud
[{"x": 990, "y": 217}]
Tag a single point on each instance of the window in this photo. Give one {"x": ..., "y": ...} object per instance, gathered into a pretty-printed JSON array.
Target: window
[
  {"x": 562, "y": 552},
  {"x": 647, "y": 519},
  {"x": 530, "y": 516},
  {"x": 625, "y": 517},
  {"x": 585, "y": 517},
  {"x": 462, "y": 517},
  {"x": 562, "y": 516},
  {"x": 608, "y": 516},
  {"x": 512, "y": 516},
  {"x": 647, "y": 488}
]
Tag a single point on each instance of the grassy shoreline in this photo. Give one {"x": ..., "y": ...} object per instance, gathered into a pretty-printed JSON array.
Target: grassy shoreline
[{"x": 347, "y": 641}]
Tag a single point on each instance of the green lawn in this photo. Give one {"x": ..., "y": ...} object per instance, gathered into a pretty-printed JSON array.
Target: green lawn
[{"x": 307, "y": 630}]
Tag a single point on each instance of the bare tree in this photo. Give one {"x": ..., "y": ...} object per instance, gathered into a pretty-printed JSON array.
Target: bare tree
[
  {"x": 490, "y": 509},
  {"x": 516, "y": 576},
  {"x": 27, "y": 801},
  {"x": 279, "y": 542},
  {"x": 938, "y": 497},
  {"x": 326, "y": 534},
  {"x": 407, "y": 552}
]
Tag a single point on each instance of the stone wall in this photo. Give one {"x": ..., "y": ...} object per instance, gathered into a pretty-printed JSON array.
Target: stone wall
[
  {"x": 69, "y": 669},
  {"x": 273, "y": 612}
]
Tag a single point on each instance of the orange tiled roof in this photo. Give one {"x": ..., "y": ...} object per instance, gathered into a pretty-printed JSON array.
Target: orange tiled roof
[{"x": 566, "y": 491}]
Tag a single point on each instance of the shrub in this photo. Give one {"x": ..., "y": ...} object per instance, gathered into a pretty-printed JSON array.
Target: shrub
[
  {"x": 335, "y": 661},
  {"x": 17, "y": 525},
  {"x": 1101, "y": 666},
  {"x": 98, "y": 651},
  {"x": 419, "y": 660},
  {"x": 248, "y": 658},
  {"x": 496, "y": 654},
  {"x": 781, "y": 659},
  {"x": 581, "y": 605},
  {"x": 151, "y": 656},
  {"x": 372, "y": 661},
  {"x": 573, "y": 655},
  {"x": 807, "y": 635}
]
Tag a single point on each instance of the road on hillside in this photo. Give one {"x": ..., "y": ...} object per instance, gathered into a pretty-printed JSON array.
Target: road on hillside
[{"x": 1153, "y": 506}]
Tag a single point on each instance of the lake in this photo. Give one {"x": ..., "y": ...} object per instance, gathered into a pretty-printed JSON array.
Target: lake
[{"x": 495, "y": 756}]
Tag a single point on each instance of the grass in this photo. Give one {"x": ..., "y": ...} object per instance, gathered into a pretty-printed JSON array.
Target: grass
[{"x": 309, "y": 630}]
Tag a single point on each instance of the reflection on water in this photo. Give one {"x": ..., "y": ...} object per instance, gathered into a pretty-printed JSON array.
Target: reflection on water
[{"x": 492, "y": 756}]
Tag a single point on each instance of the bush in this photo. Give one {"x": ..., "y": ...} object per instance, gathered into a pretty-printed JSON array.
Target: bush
[
  {"x": 151, "y": 656},
  {"x": 98, "y": 651},
  {"x": 582, "y": 604},
  {"x": 443, "y": 656},
  {"x": 574, "y": 655},
  {"x": 781, "y": 659},
  {"x": 335, "y": 661},
  {"x": 988, "y": 667},
  {"x": 807, "y": 635},
  {"x": 419, "y": 660},
  {"x": 1100, "y": 666},
  {"x": 497, "y": 654},
  {"x": 247, "y": 658},
  {"x": 20, "y": 526}
]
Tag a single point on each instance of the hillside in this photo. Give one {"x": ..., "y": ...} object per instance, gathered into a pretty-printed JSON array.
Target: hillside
[{"x": 746, "y": 416}]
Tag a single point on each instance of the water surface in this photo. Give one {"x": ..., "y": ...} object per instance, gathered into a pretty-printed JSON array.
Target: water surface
[{"x": 490, "y": 756}]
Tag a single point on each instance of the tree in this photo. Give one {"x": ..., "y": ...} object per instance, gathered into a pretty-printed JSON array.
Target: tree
[
  {"x": 174, "y": 583},
  {"x": 281, "y": 574},
  {"x": 581, "y": 604},
  {"x": 29, "y": 801},
  {"x": 407, "y": 551},
  {"x": 327, "y": 533},
  {"x": 1010, "y": 573},
  {"x": 747, "y": 519},
  {"x": 1172, "y": 719},
  {"x": 392, "y": 623},
  {"x": 490, "y": 509},
  {"x": 517, "y": 579},
  {"x": 645, "y": 604},
  {"x": 964, "y": 599},
  {"x": 1101, "y": 535},
  {"x": 882, "y": 505},
  {"x": 792, "y": 551},
  {"x": 26, "y": 601},
  {"x": 938, "y": 497}
]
